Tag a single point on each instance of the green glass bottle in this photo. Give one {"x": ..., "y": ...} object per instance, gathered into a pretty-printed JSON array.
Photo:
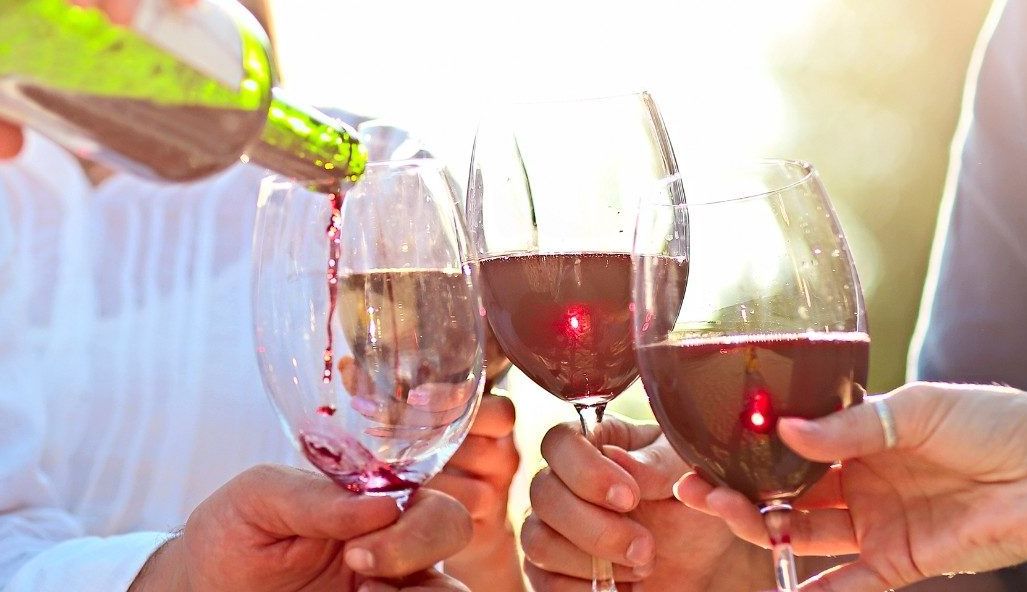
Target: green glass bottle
[{"x": 179, "y": 94}]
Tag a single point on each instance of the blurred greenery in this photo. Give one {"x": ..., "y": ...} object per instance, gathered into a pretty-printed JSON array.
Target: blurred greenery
[{"x": 872, "y": 91}]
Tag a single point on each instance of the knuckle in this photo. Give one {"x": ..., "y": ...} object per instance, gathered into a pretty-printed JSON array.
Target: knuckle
[
  {"x": 540, "y": 485},
  {"x": 392, "y": 557},
  {"x": 503, "y": 407},
  {"x": 533, "y": 540},
  {"x": 608, "y": 540},
  {"x": 511, "y": 458},
  {"x": 541, "y": 579},
  {"x": 556, "y": 437},
  {"x": 480, "y": 499},
  {"x": 260, "y": 473}
]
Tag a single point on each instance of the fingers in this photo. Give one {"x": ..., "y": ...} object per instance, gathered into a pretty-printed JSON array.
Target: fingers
[
  {"x": 692, "y": 490},
  {"x": 849, "y": 433},
  {"x": 655, "y": 468},
  {"x": 434, "y": 527},
  {"x": 820, "y": 532},
  {"x": 426, "y": 581},
  {"x": 493, "y": 459},
  {"x": 586, "y": 472},
  {"x": 550, "y": 551},
  {"x": 477, "y": 496},
  {"x": 11, "y": 140},
  {"x": 851, "y": 577},
  {"x": 287, "y": 502},
  {"x": 825, "y": 493},
  {"x": 594, "y": 530},
  {"x": 496, "y": 417},
  {"x": 121, "y": 12}
]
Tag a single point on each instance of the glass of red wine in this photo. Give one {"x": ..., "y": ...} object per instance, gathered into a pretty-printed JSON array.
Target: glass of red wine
[
  {"x": 552, "y": 201},
  {"x": 771, "y": 324},
  {"x": 370, "y": 335}
]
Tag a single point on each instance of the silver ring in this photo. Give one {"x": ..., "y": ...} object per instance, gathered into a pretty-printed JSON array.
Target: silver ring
[{"x": 891, "y": 437}]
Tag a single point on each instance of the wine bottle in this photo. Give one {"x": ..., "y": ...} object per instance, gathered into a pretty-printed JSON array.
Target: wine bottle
[{"x": 179, "y": 94}]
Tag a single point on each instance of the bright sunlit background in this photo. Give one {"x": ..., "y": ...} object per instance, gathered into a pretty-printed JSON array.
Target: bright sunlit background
[{"x": 868, "y": 90}]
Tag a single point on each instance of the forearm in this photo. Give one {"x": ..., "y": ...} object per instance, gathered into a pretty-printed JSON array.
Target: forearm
[{"x": 164, "y": 570}]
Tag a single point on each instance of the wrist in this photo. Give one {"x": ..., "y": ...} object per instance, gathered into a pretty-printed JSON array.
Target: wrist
[{"x": 164, "y": 571}]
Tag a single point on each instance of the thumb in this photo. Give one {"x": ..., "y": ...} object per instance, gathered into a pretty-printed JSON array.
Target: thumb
[
  {"x": 285, "y": 503},
  {"x": 11, "y": 140},
  {"x": 849, "y": 433},
  {"x": 656, "y": 467}
]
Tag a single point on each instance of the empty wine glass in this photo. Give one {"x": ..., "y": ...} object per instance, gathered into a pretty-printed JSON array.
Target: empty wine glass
[
  {"x": 771, "y": 324},
  {"x": 552, "y": 202},
  {"x": 370, "y": 335}
]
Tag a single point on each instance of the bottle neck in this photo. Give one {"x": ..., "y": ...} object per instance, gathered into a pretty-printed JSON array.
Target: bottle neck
[{"x": 304, "y": 143}]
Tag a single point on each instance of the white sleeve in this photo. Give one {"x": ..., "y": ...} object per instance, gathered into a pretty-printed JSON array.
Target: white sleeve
[
  {"x": 42, "y": 548},
  {"x": 94, "y": 564}
]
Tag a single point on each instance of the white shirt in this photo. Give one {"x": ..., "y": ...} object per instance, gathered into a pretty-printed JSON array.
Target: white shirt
[{"x": 129, "y": 389}]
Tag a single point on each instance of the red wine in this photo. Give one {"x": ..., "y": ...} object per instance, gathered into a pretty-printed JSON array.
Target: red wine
[
  {"x": 565, "y": 319},
  {"x": 353, "y": 466},
  {"x": 718, "y": 400},
  {"x": 332, "y": 275}
]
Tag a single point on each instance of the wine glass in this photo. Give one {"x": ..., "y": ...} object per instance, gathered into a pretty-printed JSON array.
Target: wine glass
[
  {"x": 552, "y": 202},
  {"x": 370, "y": 336},
  {"x": 771, "y": 324}
]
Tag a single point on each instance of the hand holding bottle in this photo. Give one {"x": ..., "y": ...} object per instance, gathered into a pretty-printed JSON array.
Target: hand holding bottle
[
  {"x": 10, "y": 140},
  {"x": 944, "y": 493},
  {"x": 120, "y": 12}
]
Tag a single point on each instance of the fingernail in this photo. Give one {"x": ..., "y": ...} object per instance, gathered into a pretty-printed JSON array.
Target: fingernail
[
  {"x": 640, "y": 551},
  {"x": 360, "y": 560},
  {"x": 620, "y": 497}
]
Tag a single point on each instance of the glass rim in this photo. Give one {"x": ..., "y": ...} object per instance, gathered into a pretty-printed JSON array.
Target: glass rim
[
  {"x": 503, "y": 105},
  {"x": 809, "y": 171},
  {"x": 275, "y": 179}
]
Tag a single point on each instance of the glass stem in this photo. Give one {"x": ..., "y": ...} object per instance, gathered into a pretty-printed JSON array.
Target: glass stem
[
  {"x": 591, "y": 416},
  {"x": 778, "y": 518}
]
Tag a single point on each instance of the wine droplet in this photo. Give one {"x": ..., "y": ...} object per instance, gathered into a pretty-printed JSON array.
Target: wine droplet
[{"x": 326, "y": 410}]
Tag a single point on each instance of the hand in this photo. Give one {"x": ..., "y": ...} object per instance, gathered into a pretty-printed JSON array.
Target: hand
[
  {"x": 121, "y": 12},
  {"x": 479, "y": 476},
  {"x": 617, "y": 505},
  {"x": 949, "y": 497},
  {"x": 11, "y": 140},
  {"x": 278, "y": 529}
]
